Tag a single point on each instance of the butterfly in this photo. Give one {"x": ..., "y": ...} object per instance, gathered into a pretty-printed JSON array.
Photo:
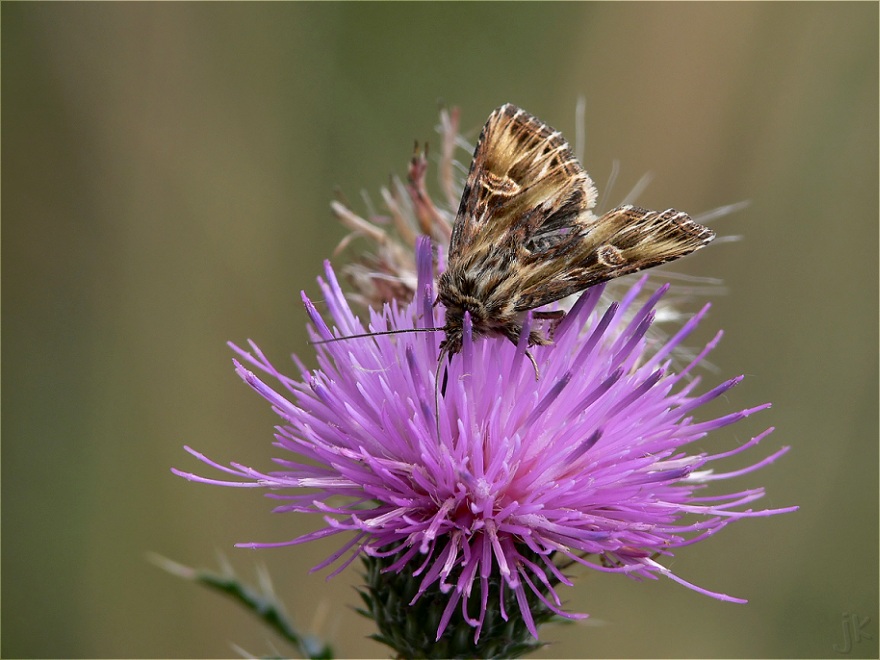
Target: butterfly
[{"x": 525, "y": 234}]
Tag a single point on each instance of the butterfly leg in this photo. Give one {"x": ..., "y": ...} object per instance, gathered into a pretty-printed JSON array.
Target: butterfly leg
[
  {"x": 444, "y": 353},
  {"x": 513, "y": 331},
  {"x": 534, "y": 364},
  {"x": 555, "y": 317}
]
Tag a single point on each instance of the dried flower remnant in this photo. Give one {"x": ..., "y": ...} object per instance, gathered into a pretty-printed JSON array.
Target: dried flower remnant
[{"x": 387, "y": 270}]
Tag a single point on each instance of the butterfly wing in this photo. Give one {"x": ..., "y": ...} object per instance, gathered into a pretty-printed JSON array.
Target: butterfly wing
[
  {"x": 525, "y": 234},
  {"x": 592, "y": 250},
  {"x": 524, "y": 182}
]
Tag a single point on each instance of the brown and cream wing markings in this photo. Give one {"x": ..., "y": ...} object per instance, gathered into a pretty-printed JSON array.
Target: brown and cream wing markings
[{"x": 525, "y": 234}]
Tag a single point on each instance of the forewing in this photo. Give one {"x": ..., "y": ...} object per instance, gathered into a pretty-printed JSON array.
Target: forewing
[
  {"x": 525, "y": 234},
  {"x": 622, "y": 241},
  {"x": 524, "y": 185}
]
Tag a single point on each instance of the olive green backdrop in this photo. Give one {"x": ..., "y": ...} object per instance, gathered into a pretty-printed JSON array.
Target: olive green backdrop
[{"x": 166, "y": 175}]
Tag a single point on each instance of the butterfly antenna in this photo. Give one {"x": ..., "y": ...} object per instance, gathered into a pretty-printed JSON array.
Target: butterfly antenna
[{"x": 374, "y": 334}]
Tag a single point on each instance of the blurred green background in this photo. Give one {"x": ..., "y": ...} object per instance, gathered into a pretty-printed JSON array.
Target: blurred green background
[{"x": 166, "y": 176}]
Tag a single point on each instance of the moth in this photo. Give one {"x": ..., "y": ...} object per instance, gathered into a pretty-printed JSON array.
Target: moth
[{"x": 525, "y": 234}]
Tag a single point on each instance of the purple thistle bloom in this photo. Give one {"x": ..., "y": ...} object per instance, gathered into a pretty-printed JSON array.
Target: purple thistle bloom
[{"x": 588, "y": 464}]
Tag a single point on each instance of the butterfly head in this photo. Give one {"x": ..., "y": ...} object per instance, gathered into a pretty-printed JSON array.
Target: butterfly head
[
  {"x": 459, "y": 297},
  {"x": 453, "y": 329}
]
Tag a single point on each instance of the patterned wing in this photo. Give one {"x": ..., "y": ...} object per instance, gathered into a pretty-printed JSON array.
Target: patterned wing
[
  {"x": 525, "y": 234},
  {"x": 524, "y": 184},
  {"x": 592, "y": 250}
]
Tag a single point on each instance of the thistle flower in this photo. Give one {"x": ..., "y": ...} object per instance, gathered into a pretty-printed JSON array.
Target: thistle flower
[{"x": 473, "y": 516}]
